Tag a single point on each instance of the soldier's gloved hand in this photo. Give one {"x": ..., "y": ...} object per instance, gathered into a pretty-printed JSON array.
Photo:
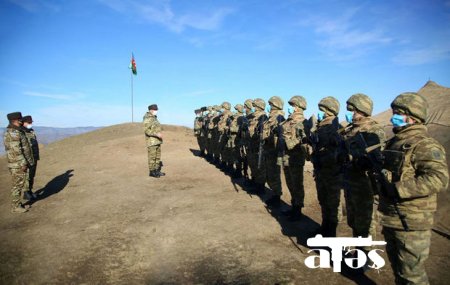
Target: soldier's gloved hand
[{"x": 24, "y": 168}]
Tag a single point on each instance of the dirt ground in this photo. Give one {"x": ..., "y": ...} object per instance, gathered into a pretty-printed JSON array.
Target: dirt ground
[{"x": 101, "y": 220}]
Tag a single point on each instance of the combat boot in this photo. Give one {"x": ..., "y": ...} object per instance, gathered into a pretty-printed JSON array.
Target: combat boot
[
  {"x": 330, "y": 230},
  {"x": 154, "y": 173},
  {"x": 30, "y": 196},
  {"x": 295, "y": 214},
  {"x": 274, "y": 201},
  {"x": 19, "y": 209}
]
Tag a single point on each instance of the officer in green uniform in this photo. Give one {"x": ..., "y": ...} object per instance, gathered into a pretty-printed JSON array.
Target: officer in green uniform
[
  {"x": 20, "y": 159},
  {"x": 234, "y": 143},
  {"x": 32, "y": 140},
  {"x": 416, "y": 167},
  {"x": 274, "y": 148},
  {"x": 154, "y": 139}
]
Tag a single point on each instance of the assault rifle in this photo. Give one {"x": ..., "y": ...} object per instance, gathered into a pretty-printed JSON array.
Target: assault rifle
[
  {"x": 243, "y": 134},
  {"x": 261, "y": 120},
  {"x": 386, "y": 186},
  {"x": 281, "y": 144}
]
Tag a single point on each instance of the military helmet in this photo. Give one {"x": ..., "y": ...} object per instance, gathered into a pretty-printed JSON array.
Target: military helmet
[
  {"x": 276, "y": 102},
  {"x": 361, "y": 102},
  {"x": 239, "y": 108},
  {"x": 226, "y": 105},
  {"x": 298, "y": 101},
  {"x": 412, "y": 104},
  {"x": 217, "y": 107},
  {"x": 209, "y": 108},
  {"x": 248, "y": 103},
  {"x": 330, "y": 103},
  {"x": 259, "y": 103}
]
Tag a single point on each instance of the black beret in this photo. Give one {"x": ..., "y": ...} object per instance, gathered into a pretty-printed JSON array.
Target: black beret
[
  {"x": 14, "y": 116},
  {"x": 27, "y": 119},
  {"x": 153, "y": 107}
]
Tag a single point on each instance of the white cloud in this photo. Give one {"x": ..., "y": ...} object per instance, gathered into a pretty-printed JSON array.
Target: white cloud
[
  {"x": 35, "y": 5},
  {"x": 342, "y": 38},
  {"x": 161, "y": 12},
  {"x": 71, "y": 96},
  {"x": 423, "y": 56}
]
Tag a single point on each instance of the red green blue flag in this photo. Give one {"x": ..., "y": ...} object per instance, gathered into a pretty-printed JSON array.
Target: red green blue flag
[{"x": 133, "y": 65}]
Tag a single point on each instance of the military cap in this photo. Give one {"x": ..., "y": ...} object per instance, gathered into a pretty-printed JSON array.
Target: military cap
[
  {"x": 276, "y": 102},
  {"x": 226, "y": 105},
  {"x": 259, "y": 103},
  {"x": 298, "y": 101},
  {"x": 239, "y": 108},
  {"x": 14, "y": 116},
  {"x": 248, "y": 103},
  {"x": 361, "y": 102},
  {"x": 331, "y": 104},
  {"x": 412, "y": 104},
  {"x": 153, "y": 107},
  {"x": 27, "y": 119}
]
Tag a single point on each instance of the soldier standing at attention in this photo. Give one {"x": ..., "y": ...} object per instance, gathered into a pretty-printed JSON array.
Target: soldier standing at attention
[
  {"x": 20, "y": 159},
  {"x": 198, "y": 130},
  {"x": 327, "y": 172},
  {"x": 358, "y": 183},
  {"x": 416, "y": 167},
  {"x": 274, "y": 148},
  {"x": 208, "y": 132},
  {"x": 223, "y": 129},
  {"x": 245, "y": 138},
  {"x": 294, "y": 157},
  {"x": 255, "y": 143},
  {"x": 234, "y": 142},
  {"x": 152, "y": 129},
  {"x": 32, "y": 140}
]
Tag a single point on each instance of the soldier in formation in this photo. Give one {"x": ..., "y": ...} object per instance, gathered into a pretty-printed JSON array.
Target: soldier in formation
[{"x": 20, "y": 160}]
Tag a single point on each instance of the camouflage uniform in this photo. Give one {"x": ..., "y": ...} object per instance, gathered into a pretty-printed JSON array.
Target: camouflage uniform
[
  {"x": 417, "y": 168},
  {"x": 151, "y": 128},
  {"x": 207, "y": 132},
  {"x": 223, "y": 129},
  {"x": 20, "y": 156},
  {"x": 358, "y": 181},
  {"x": 294, "y": 156},
  {"x": 234, "y": 143},
  {"x": 258, "y": 174},
  {"x": 214, "y": 134},
  {"x": 245, "y": 137},
  {"x": 327, "y": 172},
  {"x": 198, "y": 125},
  {"x": 32, "y": 140},
  {"x": 273, "y": 148}
]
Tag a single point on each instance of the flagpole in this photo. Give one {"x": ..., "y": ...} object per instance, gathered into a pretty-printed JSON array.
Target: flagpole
[{"x": 132, "y": 113}]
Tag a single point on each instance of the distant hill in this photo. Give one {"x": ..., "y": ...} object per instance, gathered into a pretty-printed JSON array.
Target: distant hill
[{"x": 46, "y": 135}]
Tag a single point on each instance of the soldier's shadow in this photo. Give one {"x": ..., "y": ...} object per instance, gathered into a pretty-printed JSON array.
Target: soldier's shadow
[
  {"x": 54, "y": 186},
  {"x": 195, "y": 152}
]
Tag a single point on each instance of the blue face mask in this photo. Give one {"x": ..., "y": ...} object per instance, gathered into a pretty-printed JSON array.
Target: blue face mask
[
  {"x": 291, "y": 110},
  {"x": 349, "y": 117},
  {"x": 320, "y": 115},
  {"x": 398, "y": 120},
  {"x": 252, "y": 110},
  {"x": 268, "y": 108}
]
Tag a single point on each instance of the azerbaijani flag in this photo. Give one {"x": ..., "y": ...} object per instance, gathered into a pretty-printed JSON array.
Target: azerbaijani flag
[{"x": 132, "y": 65}]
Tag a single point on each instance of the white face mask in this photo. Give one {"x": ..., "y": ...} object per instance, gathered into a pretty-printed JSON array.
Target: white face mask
[
  {"x": 29, "y": 126},
  {"x": 154, "y": 112}
]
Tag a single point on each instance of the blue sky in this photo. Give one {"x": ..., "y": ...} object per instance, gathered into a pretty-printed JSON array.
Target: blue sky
[{"x": 66, "y": 62}]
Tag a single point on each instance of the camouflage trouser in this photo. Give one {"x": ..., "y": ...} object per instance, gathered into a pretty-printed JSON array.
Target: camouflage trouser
[
  {"x": 154, "y": 157},
  {"x": 19, "y": 185},
  {"x": 201, "y": 143},
  {"x": 258, "y": 175},
  {"x": 329, "y": 186},
  {"x": 359, "y": 200},
  {"x": 32, "y": 174},
  {"x": 273, "y": 171},
  {"x": 294, "y": 181},
  {"x": 407, "y": 252}
]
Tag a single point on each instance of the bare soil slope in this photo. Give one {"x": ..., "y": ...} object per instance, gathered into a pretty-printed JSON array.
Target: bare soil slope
[
  {"x": 438, "y": 98},
  {"x": 101, "y": 220}
]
